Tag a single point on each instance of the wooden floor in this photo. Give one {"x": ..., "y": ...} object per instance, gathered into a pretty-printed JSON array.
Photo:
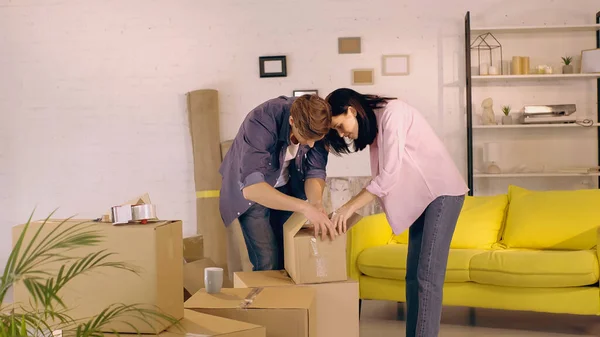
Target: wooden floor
[{"x": 379, "y": 319}]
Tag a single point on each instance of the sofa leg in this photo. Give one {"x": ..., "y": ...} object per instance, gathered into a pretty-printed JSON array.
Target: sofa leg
[
  {"x": 400, "y": 314},
  {"x": 359, "y": 308},
  {"x": 472, "y": 318}
]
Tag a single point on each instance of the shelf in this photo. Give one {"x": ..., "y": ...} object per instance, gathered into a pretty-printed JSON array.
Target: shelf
[
  {"x": 536, "y": 29},
  {"x": 534, "y": 175},
  {"x": 533, "y": 77},
  {"x": 535, "y": 126}
]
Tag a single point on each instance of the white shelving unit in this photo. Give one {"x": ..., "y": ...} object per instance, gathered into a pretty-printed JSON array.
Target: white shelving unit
[
  {"x": 537, "y": 126},
  {"x": 535, "y": 175},
  {"x": 536, "y": 29},
  {"x": 581, "y": 145},
  {"x": 534, "y": 77}
]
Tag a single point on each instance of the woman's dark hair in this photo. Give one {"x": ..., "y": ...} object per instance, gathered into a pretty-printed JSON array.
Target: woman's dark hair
[{"x": 340, "y": 100}]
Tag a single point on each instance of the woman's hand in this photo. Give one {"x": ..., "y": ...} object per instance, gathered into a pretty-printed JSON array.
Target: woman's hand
[{"x": 340, "y": 218}]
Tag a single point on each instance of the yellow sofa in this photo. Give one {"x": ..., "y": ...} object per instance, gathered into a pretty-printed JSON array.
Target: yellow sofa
[{"x": 524, "y": 250}]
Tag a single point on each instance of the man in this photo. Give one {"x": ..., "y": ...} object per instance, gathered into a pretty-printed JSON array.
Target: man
[{"x": 276, "y": 162}]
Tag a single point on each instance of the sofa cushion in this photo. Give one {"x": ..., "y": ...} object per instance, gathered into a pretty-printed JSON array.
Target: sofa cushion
[
  {"x": 552, "y": 219},
  {"x": 389, "y": 262},
  {"x": 535, "y": 268},
  {"x": 479, "y": 223}
]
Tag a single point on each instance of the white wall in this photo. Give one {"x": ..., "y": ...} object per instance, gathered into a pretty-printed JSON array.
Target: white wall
[{"x": 92, "y": 108}]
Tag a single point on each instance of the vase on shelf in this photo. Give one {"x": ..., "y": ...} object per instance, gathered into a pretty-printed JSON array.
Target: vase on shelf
[
  {"x": 507, "y": 120},
  {"x": 568, "y": 69}
]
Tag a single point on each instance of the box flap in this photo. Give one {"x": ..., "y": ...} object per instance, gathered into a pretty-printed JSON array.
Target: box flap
[
  {"x": 353, "y": 220},
  {"x": 72, "y": 222},
  {"x": 266, "y": 278},
  {"x": 294, "y": 224},
  {"x": 258, "y": 298},
  {"x": 199, "y": 324},
  {"x": 193, "y": 274}
]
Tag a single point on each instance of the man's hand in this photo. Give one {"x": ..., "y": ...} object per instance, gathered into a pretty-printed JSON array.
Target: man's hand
[
  {"x": 318, "y": 218},
  {"x": 318, "y": 205}
]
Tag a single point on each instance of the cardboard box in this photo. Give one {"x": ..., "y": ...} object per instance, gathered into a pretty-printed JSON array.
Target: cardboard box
[
  {"x": 193, "y": 275},
  {"x": 313, "y": 260},
  {"x": 202, "y": 325},
  {"x": 155, "y": 249},
  {"x": 336, "y": 303},
  {"x": 283, "y": 311},
  {"x": 193, "y": 248}
]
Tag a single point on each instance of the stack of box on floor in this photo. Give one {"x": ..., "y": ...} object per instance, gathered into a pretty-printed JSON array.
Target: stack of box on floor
[
  {"x": 194, "y": 264},
  {"x": 314, "y": 298},
  {"x": 155, "y": 250}
]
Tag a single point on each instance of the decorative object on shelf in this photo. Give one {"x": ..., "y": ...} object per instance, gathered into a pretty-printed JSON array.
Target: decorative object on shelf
[
  {"x": 525, "y": 65},
  {"x": 272, "y": 66},
  {"x": 506, "y": 119},
  {"x": 298, "y": 93},
  {"x": 491, "y": 157},
  {"x": 395, "y": 65},
  {"x": 488, "y": 116},
  {"x": 515, "y": 68},
  {"x": 544, "y": 69},
  {"x": 349, "y": 45},
  {"x": 567, "y": 66},
  {"x": 487, "y": 42},
  {"x": 590, "y": 61},
  {"x": 363, "y": 76},
  {"x": 543, "y": 114},
  {"x": 505, "y": 67},
  {"x": 484, "y": 69},
  {"x": 493, "y": 70}
]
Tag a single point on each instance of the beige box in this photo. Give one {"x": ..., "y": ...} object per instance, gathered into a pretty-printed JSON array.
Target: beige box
[
  {"x": 193, "y": 275},
  {"x": 283, "y": 311},
  {"x": 201, "y": 325},
  {"x": 155, "y": 250},
  {"x": 336, "y": 303},
  {"x": 313, "y": 260},
  {"x": 193, "y": 248}
]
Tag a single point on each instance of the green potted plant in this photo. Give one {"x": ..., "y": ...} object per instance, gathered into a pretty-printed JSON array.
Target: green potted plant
[
  {"x": 47, "y": 313},
  {"x": 506, "y": 119},
  {"x": 567, "y": 67}
]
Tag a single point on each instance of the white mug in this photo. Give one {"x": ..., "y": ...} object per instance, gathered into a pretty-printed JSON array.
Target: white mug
[{"x": 213, "y": 280}]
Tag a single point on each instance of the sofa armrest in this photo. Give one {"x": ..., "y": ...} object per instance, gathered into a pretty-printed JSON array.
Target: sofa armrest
[{"x": 370, "y": 231}]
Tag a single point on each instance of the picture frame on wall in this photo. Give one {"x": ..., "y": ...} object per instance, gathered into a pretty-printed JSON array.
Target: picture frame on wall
[
  {"x": 363, "y": 76},
  {"x": 395, "y": 65},
  {"x": 349, "y": 45},
  {"x": 272, "y": 66},
  {"x": 590, "y": 61},
  {"x": 298, "y": 93}
]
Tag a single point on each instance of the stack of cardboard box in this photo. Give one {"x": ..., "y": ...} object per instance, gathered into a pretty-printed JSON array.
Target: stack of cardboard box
[
  {"x": 156, "y": 252},
  {"x": 311, "y": 298}
]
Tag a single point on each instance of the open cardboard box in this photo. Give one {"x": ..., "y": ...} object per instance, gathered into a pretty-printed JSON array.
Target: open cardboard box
[
  {"x": 314, "y": 260},
  {"x": 336, "y": 302}
]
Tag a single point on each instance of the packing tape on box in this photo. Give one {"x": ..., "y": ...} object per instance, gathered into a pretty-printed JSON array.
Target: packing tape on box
[
  {"x": 320, "y": 261},
  {"x": 250, "y": 297},
  {"x": 208, "y": 194},
  {"x": 126, "y": 213}
]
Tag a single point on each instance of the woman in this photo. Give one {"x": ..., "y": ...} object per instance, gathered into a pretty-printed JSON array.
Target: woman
[{"x": 417, "y": 183}]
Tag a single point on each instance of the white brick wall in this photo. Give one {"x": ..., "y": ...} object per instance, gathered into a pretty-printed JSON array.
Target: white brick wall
[{"x": 92, "y": 108}]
